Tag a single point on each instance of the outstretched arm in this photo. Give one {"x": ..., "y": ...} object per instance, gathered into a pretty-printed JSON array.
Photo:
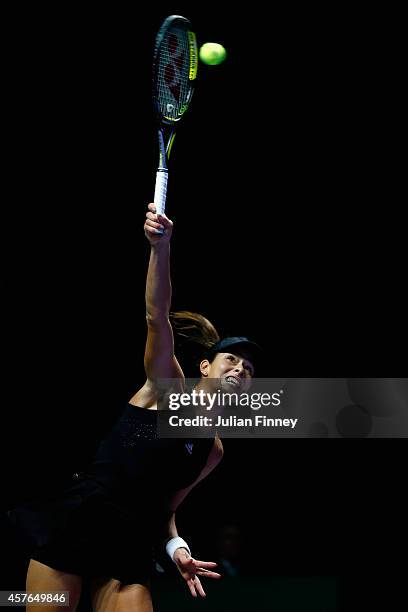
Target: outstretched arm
[
  {"x": 159, "y": 358},
  {"x": 158, "y": 283}
]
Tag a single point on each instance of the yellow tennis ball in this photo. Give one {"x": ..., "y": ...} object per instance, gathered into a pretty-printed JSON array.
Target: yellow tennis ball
[{"x": 212, "y": 54}]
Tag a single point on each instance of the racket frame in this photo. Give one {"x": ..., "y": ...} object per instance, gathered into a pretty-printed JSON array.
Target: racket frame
[{"x": 166, "y": 126}]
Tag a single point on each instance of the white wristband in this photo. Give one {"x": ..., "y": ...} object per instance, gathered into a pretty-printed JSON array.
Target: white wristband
[{"x": 175, "y": 543}]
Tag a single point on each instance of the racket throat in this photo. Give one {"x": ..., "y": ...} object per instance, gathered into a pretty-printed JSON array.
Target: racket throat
[
  {"x": 170, "y": 144},
  {"x": 165, "y": 150}
]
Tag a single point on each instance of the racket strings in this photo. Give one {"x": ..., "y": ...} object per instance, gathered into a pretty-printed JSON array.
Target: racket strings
[{"x": 173, "y": 87}]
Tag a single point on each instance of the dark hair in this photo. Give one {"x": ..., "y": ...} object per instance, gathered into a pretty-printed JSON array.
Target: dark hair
[{"x": 194, "y": 334}]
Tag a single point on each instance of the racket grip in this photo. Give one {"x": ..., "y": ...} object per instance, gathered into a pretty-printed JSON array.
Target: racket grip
[{"x": 160, "y": 191}]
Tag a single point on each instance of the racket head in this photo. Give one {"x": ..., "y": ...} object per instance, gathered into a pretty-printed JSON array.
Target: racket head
[{"x": 174, "y": 69}]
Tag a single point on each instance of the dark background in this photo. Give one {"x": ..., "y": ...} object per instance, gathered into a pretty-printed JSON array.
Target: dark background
[{"x": 288, "y": 228}]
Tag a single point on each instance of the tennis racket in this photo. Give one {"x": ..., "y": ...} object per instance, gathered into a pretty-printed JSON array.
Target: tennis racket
[{"x": 174, "y": 72}]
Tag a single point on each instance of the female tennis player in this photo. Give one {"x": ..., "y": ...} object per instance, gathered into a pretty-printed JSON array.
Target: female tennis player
[{"x": 106, "y": 526}]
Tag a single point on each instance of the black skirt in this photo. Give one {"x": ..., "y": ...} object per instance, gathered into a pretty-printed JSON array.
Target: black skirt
[{"x": 86, "y": 532}]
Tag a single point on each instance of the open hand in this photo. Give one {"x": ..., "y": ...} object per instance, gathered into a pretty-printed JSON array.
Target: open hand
[{"x": 191, "y": 569}]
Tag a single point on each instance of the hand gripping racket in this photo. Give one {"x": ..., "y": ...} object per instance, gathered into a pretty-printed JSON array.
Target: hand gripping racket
[{"x": 174, "y": 73}]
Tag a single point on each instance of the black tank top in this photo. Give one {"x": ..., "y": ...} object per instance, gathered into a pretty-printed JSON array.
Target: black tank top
[{"x": 132, "y": 460}]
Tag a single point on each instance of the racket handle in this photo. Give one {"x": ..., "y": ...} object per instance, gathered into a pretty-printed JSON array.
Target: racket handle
[{"x": 160, "y": 191}]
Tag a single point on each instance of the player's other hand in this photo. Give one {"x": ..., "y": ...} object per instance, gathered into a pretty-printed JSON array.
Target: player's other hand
[
  {"x": 157, "y": 228},
  {"x": 191, "y": 569}
]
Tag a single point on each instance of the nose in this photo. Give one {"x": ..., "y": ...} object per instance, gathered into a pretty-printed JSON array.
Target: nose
[{"x": 239, "y": 369}]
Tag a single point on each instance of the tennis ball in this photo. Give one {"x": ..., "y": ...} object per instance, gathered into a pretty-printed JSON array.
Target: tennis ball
[{"x": 212, "y": 54}]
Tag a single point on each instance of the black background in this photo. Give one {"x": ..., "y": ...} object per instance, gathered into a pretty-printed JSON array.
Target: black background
[{"x": 288, "y": 228}]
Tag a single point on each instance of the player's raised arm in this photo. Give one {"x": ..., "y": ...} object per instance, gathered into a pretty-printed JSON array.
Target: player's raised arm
[{"x": 159, "y": 361}]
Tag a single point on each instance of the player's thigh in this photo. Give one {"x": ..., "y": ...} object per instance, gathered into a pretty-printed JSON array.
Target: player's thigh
[
  {"x": 112, "y": 596},
  {"x": 44, "y": 579}
]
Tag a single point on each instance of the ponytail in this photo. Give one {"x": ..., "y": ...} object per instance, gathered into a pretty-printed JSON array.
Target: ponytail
[{"x": 193, "y": 336}]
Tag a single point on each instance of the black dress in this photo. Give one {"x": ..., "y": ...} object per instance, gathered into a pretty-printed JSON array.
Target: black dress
[{"x": 108, "y": 522}]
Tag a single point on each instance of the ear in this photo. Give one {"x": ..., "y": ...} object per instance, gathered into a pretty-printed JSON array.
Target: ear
[{"x": 205, "y": 367}]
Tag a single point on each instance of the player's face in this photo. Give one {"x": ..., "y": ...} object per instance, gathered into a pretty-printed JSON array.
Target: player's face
[{"x": 234, "y": 371}]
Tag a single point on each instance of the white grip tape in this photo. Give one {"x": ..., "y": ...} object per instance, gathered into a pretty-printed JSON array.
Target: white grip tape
[{"x": 160, "y": 191}]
